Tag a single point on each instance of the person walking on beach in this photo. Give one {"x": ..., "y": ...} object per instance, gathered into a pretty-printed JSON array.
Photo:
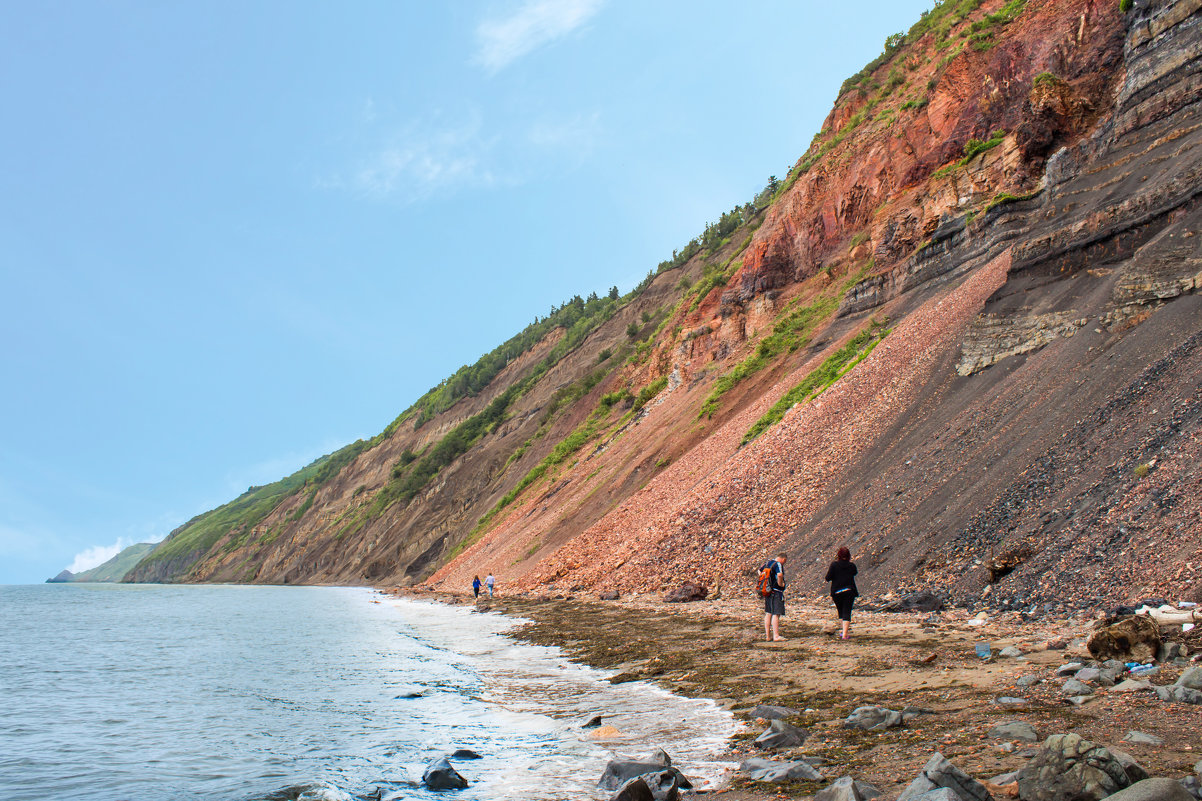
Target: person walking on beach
[
  {"x": 476, "y": 587},
  {"x": 842, "y": 576},
  {"x": 490, "y": 582},
  {"x": 774, "y": 601}
]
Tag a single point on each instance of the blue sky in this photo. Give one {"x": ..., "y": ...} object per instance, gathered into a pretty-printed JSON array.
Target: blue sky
[{"x": 236, "y": 236}]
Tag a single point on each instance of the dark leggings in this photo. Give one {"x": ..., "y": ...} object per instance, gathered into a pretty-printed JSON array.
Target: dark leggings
[{"x": 843, "y": 602}]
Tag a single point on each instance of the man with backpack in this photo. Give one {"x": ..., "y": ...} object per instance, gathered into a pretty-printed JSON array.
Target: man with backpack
[{"x": 771, "y": 586}]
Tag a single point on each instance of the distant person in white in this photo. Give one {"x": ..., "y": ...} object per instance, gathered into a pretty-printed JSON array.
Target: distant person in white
[{"x": 489, "y": 582}]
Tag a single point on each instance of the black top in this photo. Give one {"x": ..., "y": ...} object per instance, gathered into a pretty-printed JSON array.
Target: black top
[
  {"x": 842, "y": 576},
  {"x": 777, "y": 579}
]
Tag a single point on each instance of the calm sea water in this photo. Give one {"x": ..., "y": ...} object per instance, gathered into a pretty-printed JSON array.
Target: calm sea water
[{"x": 114, "y": 692}]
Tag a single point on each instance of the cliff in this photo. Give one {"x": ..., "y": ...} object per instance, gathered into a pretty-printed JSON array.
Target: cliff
[{"x": 961, "y": 337}]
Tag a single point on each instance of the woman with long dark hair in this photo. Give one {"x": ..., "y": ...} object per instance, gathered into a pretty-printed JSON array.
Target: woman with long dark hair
[{"x": 842, "y": 576}]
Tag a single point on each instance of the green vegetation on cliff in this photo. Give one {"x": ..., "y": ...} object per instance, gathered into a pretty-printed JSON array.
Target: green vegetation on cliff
[{"x": 116, "y": 568}]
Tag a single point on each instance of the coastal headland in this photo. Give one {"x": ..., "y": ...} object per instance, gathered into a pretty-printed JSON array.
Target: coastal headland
[{"x": 927, "y": 665}]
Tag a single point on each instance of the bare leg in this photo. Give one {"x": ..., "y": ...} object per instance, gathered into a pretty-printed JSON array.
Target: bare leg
[
  {"x": 767, "y": 626},
  {"x": 846, "y": 626},
  {"x": 776, "y": 628}
]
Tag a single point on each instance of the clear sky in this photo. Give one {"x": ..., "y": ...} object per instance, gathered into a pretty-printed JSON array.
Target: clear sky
[{"x": 236, "y": 236}]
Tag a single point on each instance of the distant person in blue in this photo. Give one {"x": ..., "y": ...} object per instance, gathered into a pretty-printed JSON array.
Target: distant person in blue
[
  {"x": 842, "y": 576},
  {"x": 774, "y": 602},
  {"x": 490, "y": 582},
  {"x": 476, "y": 587}
]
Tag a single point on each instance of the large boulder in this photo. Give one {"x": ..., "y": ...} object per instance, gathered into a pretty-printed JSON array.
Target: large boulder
[
  {"x": 767, "y": 770},
  {"x": 1153, "y": 790},
  {"x": 620, "y": 771},
  {"x": 689, "y": 591},
  {"x": 1191, "y": 679},
  {"x": 1071, "y": 768},
  {"x": 781, "y": 735},
  {"x": 440, "y": 775},
  {"x": 939, "y": 774},
  {"x": 661, "y": 786},
  {"x": 845, "y": 788},
  {"x": 1132, "y": 639},
  {"x": 873, "y": 718}
]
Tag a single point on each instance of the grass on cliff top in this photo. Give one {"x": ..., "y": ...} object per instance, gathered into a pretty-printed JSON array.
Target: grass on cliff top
[
  {"x": 246, "y": 511},
  {"x": 792, "y": 331},
  {"x": 821, "y": 377}
]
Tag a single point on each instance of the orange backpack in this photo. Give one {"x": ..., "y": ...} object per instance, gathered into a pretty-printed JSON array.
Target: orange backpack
[{"x": 763, "y": 584}]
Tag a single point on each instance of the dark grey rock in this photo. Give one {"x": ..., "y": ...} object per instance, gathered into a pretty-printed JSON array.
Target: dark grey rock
[
  {"x": 1139, "y": 738},
  {"x": 1153, "y": 790},
  {"x": 1010, "y": 652},
  {"x": 661, "y": 786},
  {"x": 686, "y": 592},
  {"x": 1070, "y": 768},
  {"x": 1088, "y": 674},
  {"x": 1107, "y": 677},
  {"x": 1170, "y": 651},
  {"x": 1198, "y": 767},
  {"x": 873, "y": 718},
  {"x": 620, "y": 771},
  {"x": 609, "y": 595},
  {"x": 593, "y": 722},
  {"x": 1132, "y": 686},
  {"x": 1191, "y": 678},
  {"x": 1135, "y": 771},
  {"x": 1015, "y": 730},
  {"x": 1010, "y": 701},
  {"x": 1192, "y": 785},
  {"x": 1029, "y": 680},
  {"x": 781, "y": 735},
  {"x": 1182, "y": 695},
  {"x": 659, "y": 756},
  {"x": 440, "y": 775},
  {"x": 635, "y": 789},
  {"x": 1005, "y": 778},
  {"x": 938, "y": 794},
  {"x": 845, "y": 788},
  {"x": 770, "y": 712},
  {"x": 1069, "y": 669},
  {"x": 939, "y": 773},
  {"x": 767, "y": 770},
  {"x": 921, "y": 601},
  {"x": 465, "y": 753}
]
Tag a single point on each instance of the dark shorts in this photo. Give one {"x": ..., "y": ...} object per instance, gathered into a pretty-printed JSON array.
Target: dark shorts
[
  {"x": 774, "y": 604},
  {"x": 843, "y": 604}
]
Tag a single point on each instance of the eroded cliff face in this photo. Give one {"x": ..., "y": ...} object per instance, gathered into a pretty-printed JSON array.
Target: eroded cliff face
[
  {"x": 1026, "y": 431},
  {"x": 1034, "y": 406}
]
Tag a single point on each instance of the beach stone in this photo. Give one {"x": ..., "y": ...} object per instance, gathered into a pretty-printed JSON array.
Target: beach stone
[
  {"x": 1010, "y": 652},
  {"x": 620, "y": 771},
  {"x": 593, "y": 722},
  {"x": 1107, "y": 677},
  {"x": 1139, "y": 738},
  {"x": 440, "y": 775},
  {"x": 781, "y": 735},
  {"x": 1070, "y": 768},
  {"x": 1076, "y": 687},
  {"x": 661, "y": 786},
  {"x": 1011, "y": 701},
  {"x": 1132, "y": 686},
  {"x": 1182, "y": 695},
  {"x": 1069, "y": 669},
  {"x": 845, "y": 788},
  {"x": 938, "y": 794},
  {"x": 1088, "y": 674},
  {"x": 873, "y": 718},
  {"x": 1191, "y": 678},
  {"x": 1030, "y": 680},
  {"x": 767, "y": 770},
  {"x": 1003, "y": 779},
  {"x": 1082, "y": 700},
  {"x": 465, "y": 753},
  {"x": 689, "y": 591},
  {"x": 1015, "y": 730},
  {"x": 770, "y": 712},
  {"x": 937, "y": 774},
  {"x": 1170, "y": 651},
  {"x": 1159, "y": 789},
  {"x": 609, "y": 595},
  {"x": 1192, "y": 785}
]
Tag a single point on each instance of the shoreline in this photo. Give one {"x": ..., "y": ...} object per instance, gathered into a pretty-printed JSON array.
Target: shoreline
[{"x": 714, "y": 649}]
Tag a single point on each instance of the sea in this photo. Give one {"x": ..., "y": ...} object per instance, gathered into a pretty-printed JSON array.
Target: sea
[{"x": 127, "y": 692}]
